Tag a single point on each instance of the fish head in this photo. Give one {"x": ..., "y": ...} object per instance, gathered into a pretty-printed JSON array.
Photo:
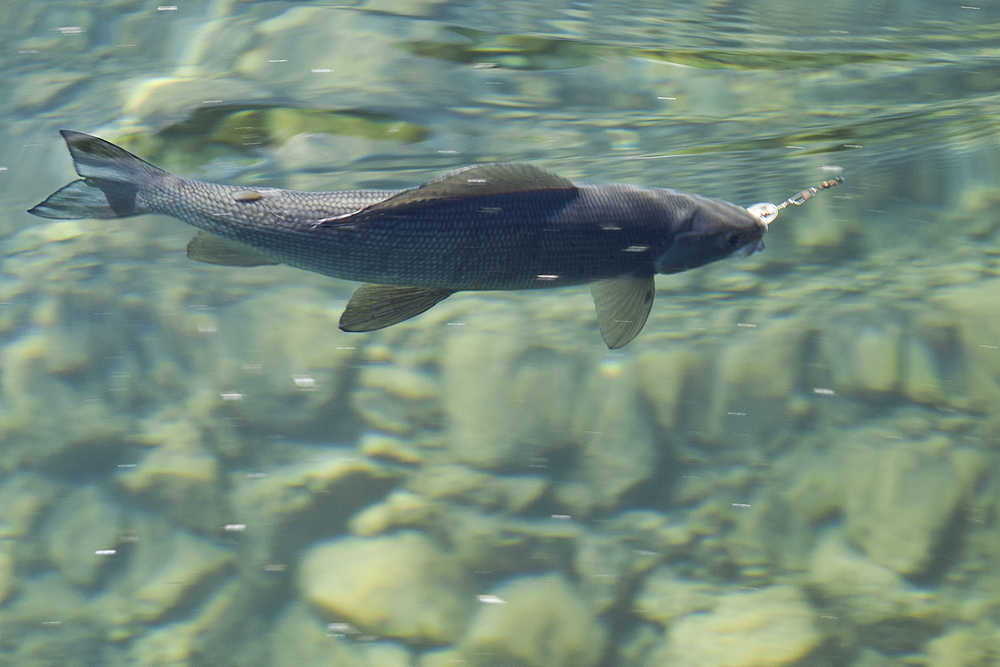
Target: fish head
[{"x": 711, "y": 230}]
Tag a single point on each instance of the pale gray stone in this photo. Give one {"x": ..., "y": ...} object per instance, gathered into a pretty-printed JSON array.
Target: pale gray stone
[
  {"x": 534, "y": 621},
  {"x": 773, "y": 626},
  {"x": 664, "y": 596},
  {"x": 84, "y": 524},
  {"x": 902, "y": 498},
  {"x": 400, "y": 586}
]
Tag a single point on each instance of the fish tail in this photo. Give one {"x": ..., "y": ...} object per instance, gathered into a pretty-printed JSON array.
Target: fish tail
[{"x": 111, "y": 179}]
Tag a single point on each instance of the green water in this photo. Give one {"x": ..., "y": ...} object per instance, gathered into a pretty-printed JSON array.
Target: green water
[{"x": 795, "y": 463}]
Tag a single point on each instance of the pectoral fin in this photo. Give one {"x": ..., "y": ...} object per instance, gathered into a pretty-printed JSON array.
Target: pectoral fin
[
  {"x": 212, "y": 249},
  {"x": 378, "y": 306},
  {"x": 622, "y": 305}
]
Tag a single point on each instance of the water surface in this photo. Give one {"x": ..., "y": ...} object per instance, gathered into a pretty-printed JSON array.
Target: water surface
[{"x": 794, "y": 463}]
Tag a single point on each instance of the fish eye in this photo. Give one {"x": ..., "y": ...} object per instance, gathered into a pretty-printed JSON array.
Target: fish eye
[{"x": 733, "y": 240}]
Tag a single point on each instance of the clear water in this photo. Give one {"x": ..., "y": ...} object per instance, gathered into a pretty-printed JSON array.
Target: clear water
[{"x": 794, "y": 463}]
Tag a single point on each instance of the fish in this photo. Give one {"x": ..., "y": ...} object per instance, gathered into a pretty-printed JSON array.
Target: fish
[{"x": 500, "y": 226}]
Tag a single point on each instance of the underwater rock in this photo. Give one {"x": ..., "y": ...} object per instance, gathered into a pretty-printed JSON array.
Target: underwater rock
[
  {"x": 666, "y": 397},
  {"x": 161, "y": 100},
  {"x": 400, "y": 509},
  {"x": 773, "y": 626},
  {"x": 84, "y": 523},
  {"x": 613, "y": 445},
  {"x": 400, "y": 586},
  {"x": 283, "y": 508},
  {"x": 6, "y": 570},
  {"x": 33, "y": 390},
  {"x": 504, "y": 493},
  {"x": 397, "y": 399},
  {"x": 34, "y": 91},
  {"x": 45, "y": 606},
  {"x": 488, "y": 543},
  {"x": 168, "y": 569},
  {"x": 400, "y": 382},
  {"x": 866, "y": 593},
  {"x": 902, "y": 499},
  {"x": 283, "y": 379},
  {"x": 178, "y": 475},
  {"x": 388, "y": 654},
  {"x": 485, "y": 542},
  {"x": 608, "y": 565},
  {"x": 965, "y": 647},
  {"x": 190, "y": 639},
  {"x": 534, "y": 621},
  {"x": 757, "y": 376},
  {"x": 664, "y": 596},
  {"x": 921, "y": 380},
  {"x": 389, "y": 448},
  {"x": 444, "y": 657},
  {"x": 316, "y": 66},
  {"x": 864, "y": 357},
  {"x": 299, "y": 638},
  {"x": 24, "y": 497},
  {"x": 511, "y": 407}
]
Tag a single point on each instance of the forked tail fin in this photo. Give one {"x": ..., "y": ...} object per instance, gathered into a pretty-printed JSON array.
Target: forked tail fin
[{"x": 111, "y": 179}]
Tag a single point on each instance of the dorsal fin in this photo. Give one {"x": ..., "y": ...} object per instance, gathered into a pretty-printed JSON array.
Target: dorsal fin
[{"x": 477, "y": 181}]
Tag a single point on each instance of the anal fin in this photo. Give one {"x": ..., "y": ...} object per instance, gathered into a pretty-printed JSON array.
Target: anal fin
[
  {"x": 622, "y": 305},
  {"x": 378, "y": 306},
  {"x": 213, "y": 249}
]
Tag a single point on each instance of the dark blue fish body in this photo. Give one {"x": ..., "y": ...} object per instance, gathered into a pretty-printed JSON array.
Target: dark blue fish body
[{"x": 490, "y": 227}]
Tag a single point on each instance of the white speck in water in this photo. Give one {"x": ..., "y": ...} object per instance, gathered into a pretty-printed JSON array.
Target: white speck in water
[
  {"x": 304, "y": 381},
  {"x": 231, "y": 396},
  {"x": 746, "y": 325},
  {"x": 491, "y": 599},
  {"x": 69, "y": 30},
  {"x": 548, "y": 276},
  {"x": 564, "y": 517},
  {"x": 741, "y": 506},
  {"x": 105, "y": 552},
  {"x": 321, "y": 70},
  {"x": 277, "y": 60},
  {"x": 234, "y": 527},
  {"x": 167, "y": 8},
  {"x": 207, "y": 328},
  {"x": 823, "y": 391}
]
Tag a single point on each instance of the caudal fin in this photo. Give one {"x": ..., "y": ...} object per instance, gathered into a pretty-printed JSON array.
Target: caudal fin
[{"x": 111, "y": 178}]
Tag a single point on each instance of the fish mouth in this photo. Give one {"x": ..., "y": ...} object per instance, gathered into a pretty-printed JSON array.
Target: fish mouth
[{"x": 749, "y": 249}]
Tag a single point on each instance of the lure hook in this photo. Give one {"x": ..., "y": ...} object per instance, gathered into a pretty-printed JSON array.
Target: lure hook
[{"x": 766, "y": 212}]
